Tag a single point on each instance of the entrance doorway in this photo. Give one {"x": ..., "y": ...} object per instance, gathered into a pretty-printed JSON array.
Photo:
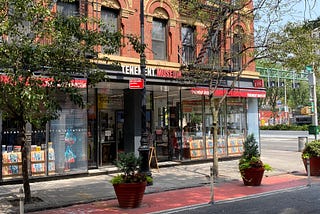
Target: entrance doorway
[{"x": 106, "y": 137}]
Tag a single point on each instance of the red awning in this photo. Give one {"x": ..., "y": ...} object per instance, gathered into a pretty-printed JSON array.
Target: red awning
[
  {"x": 47, "y": 81},
  {"x": 236, "y": 92}
]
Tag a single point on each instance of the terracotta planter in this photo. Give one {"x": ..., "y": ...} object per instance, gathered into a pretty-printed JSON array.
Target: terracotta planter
[
  {"x": 314, "y": 166},
  {"x": 130, "y": 195},
  {"x": 252, "y": 176}
]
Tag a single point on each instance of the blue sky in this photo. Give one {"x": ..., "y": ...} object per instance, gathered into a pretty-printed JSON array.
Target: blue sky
[
  {"x": 304, "y": 11},
  {"x": 289, "y": 11}
]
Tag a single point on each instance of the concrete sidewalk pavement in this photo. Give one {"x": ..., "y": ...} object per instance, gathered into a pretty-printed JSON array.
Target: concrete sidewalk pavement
[
  {"x": 67, "y": 192},
  {"x": 168, "y": 201}
]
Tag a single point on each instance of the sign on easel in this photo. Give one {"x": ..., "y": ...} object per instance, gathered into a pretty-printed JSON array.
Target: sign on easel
[{"x": 153, "y": 156}]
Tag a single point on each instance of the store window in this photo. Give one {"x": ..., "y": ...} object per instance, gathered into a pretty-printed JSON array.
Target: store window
[
  {"x": 58, "y": 147},
  {"x": 68, "y": 140},
  {"x": 197, "y": 134},
  {"x": 159, "y": 39},
  {"x": 188, "y": 45},
  {"x": 110, "y": 23},
  {"x": 68, "y": 8}
]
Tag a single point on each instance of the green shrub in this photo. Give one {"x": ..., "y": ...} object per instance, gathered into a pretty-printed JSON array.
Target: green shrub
[
  {"x": 285, "y": 127},
  {"x": 311, "y": 149},
  {"x": 251, "y": 156}
]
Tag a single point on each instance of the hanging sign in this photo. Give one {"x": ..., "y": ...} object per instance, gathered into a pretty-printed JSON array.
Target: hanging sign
[{"x": 136, "y": 83}]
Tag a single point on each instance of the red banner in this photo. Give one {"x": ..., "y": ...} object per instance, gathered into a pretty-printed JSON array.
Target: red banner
[
  {"x": 47, "y": 81},
  {"x": 231, "y": 93}
]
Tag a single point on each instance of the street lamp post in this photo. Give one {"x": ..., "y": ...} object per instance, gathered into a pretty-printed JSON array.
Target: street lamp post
[
  {"x": 144, "y": 147},
  {"x": 313, "y": 100}
]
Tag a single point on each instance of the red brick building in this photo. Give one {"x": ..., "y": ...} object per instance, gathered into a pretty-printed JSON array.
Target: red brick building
[{"x": 177, "y": 112}]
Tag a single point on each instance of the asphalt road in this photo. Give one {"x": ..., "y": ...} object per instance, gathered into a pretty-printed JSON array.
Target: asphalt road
[{"x": 303, "y": 200}]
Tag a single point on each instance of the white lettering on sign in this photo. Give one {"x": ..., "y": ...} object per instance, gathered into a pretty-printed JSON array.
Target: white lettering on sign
[
  {"x": 153, "y": 72},
  {"x": 135, "y": 70}
]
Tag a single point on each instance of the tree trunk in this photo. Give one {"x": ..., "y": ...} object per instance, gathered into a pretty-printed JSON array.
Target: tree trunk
[
  {"x": 25, "y": 153},
  {"x": 215, "y": 144},
  {"x": 214, "y": 112}
]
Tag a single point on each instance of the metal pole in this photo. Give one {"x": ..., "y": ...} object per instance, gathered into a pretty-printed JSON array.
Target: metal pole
[
  {"x": 313, "y": 100},
  {"x": 308, "y": 171},
  {"x": 21, "y": 203},
  {"x": 211, "y": 186},
  {"x": 285, "y": 102},
  {"x": 315, "y": 117},
  {"x": 144, "y": 147}
]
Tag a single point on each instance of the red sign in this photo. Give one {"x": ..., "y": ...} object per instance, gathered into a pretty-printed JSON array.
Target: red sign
[
  {"x": 258, "y": 83},
  {"x": 136, "y": 83},
  {"x": 231, "y": 93}
]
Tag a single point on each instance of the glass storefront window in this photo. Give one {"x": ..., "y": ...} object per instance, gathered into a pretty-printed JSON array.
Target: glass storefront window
[
  {"x": 58, "y": 147},
  {"x": 68, "y": 142}
]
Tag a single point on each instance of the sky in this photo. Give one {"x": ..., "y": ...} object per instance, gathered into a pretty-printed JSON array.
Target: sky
[
  {"x": 304, "y": 11},
  {"x": 290, "y": 11}
]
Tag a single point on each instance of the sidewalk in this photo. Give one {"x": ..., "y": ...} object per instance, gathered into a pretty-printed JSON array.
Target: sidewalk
[
  {"x": 174, "y": 186},
  {"x": 163, "y": 202}
]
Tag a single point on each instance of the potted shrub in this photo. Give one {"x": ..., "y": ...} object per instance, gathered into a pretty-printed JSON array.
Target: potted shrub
[
  {"x": 130, "y": 185},
  {"x": 250, "y": 165},
  {"x": 311, "y": 151}
]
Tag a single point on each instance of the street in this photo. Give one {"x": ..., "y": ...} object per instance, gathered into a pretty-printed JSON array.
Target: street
[{"x": 301, "y": 200}]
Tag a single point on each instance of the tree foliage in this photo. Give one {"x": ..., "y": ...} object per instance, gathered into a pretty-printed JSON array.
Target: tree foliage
[{"x": 294, "y": 47}]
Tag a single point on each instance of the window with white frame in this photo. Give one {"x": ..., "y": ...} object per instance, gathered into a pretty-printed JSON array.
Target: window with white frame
[{"x": 159, "y": 39}]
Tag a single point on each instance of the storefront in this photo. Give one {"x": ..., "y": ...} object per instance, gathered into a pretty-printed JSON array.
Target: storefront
[{"x": 178, "y": 118}]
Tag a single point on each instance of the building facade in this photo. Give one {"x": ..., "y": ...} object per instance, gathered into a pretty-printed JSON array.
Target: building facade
[{"x": 178, "y": 117}]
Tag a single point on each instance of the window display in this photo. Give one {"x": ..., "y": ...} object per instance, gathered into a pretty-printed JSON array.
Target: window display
[
  {"x": 57, "y": 148},
  {"x": 68, "y": 136}
]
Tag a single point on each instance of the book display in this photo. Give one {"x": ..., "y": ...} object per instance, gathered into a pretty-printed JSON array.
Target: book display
[
  {"x": 12, "y": 160},
  {"x": 233, "y": 147}
]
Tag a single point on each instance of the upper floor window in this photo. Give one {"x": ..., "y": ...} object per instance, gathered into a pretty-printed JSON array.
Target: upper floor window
[
  {"x": 109, "y": 18},
  {"x": 159, "y": 39},
  {"x": 237, "y": 49},
  {"x": 68, "y": 8},
  {"x": 110, "y": 23},
  {"x": 188, "y": 44},
  {"x": 214, "y": 49}
]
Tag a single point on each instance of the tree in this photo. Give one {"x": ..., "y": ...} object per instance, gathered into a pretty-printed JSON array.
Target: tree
[
  {"x": 294, "y": 47},
  {"x": 230, "y": 44},
  {"x": 41, "y": 54}
]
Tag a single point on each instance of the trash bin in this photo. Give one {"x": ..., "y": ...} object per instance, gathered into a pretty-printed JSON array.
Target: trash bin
[{"x": 301, "y": 142}]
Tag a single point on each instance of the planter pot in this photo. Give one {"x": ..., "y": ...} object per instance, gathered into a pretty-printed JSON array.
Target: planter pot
[
  {"x": 314, "y": 166},
  {"x": 252, "y": 176},
  {"x": 130, "y": 195}
]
